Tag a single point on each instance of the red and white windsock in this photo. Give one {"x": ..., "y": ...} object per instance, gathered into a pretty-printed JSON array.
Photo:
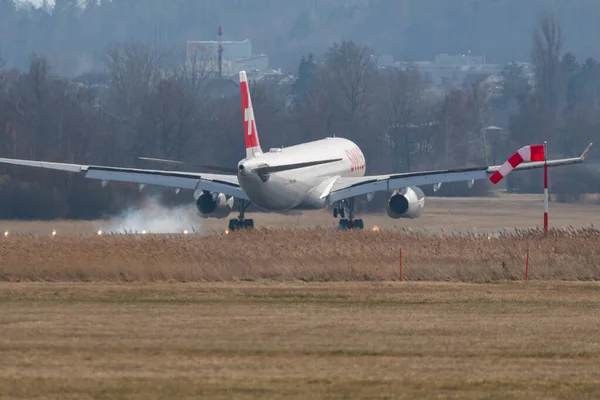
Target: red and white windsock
[{"x": 534, "y": 152}]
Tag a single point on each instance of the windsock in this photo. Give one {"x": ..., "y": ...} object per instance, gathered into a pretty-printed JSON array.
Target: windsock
[{"x": 534, "y": 152}]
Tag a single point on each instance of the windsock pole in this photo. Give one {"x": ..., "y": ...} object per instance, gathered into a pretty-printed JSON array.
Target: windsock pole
[{"x": 545, "y": 187}]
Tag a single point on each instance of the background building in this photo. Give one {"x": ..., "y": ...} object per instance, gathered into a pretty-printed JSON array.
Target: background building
[
  {"x": 236, "y": 56},
  {"x": 453, "y": 69},
  {"x": 232, "y": 49}
]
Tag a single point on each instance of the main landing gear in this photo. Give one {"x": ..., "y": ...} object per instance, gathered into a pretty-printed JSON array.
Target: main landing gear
[
  {"x": 350, "y": 222},
  {"x": 240, "y": 222}
]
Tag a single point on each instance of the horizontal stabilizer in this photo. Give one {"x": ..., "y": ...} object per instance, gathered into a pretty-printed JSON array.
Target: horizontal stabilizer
[
  {"x": 226, "y": 170},
  {"x": 288, "y": 167}
]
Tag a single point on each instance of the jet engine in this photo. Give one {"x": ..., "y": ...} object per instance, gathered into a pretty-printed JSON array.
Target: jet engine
[
  {"x": 214, "y": 205},
  {"x": 406, "y": 203}
]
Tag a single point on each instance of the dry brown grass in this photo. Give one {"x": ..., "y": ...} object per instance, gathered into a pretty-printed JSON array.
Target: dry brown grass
[
  {"x": 307, "y": 254},
  {"x": 516, "y": 340}
]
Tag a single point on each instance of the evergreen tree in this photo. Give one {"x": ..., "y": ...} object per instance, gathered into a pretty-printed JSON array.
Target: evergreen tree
[{"x": 306, "y": 73}]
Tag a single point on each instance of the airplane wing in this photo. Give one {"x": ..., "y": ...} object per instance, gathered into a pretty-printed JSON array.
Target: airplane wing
[
  {"x": 226, "y": 184},
  {"x": 344, "y": 188}
]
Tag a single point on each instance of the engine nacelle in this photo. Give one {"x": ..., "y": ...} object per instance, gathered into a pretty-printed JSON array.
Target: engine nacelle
[
  {"x": 214, "y": 205},
  {"x": 406, "y": 203}
]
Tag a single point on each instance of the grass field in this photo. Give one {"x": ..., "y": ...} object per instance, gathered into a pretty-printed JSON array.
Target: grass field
[{"x": 534, "y": 340}]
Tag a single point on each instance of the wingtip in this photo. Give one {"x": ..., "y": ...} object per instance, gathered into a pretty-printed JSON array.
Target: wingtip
[
  {"x": 585, "y": 152},
  {"x": 243, "y": 77}
]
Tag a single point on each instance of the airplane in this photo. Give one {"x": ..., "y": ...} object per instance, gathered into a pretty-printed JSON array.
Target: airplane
[{"x": 308, "y": 176}]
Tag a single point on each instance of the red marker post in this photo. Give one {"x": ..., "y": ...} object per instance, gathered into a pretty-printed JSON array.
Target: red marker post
[
  {"x": 527, "y": 265},
  {"x": 545, "y": 187},
  {"x": 400, "y": 265}
]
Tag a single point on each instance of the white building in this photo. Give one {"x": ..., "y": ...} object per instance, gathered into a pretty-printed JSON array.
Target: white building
[
  {"x": 237, "y": 55},
  {"x": 232, "y": 50},
  {"x": 453, "y": 68},
  {"x": 259, "y": 62}
]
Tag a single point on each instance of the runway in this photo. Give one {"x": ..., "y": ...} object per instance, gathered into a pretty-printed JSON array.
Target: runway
[{"x": 481, "y": 215}]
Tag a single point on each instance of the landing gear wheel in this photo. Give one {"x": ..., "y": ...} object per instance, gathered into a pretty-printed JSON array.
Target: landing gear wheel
[
  {"x": 339, "y": 210},
  {"x": 236, "y": 224},
  {"x": 240, "y": 222},
  {"x": 350, "y": 222}
]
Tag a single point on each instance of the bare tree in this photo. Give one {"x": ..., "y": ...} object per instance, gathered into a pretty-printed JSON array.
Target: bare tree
[
  {"x": 194, "y": 68},
  {"x": 459, "y": 139},
  {"x": 183, "y": 98},
  {"x": 352, "y": 72},
  {"x": 161, "y": 133},
  {"x": 546, "y": 54},
  {"x": 314, "y": 111},
  {"x": 32, "y": 103},
  {"x": 403, "y": 103},
  {"x": 135, "y": 71},
  {"x": 481, "y": 96},
  {"x": 38, "y": 74}
]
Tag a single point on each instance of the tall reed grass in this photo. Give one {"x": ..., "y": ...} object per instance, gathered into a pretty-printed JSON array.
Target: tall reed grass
[{"x": 303, "y": 254}]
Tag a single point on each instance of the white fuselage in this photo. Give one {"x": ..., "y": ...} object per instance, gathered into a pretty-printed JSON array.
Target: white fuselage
[{"x": 300, "y": 188}]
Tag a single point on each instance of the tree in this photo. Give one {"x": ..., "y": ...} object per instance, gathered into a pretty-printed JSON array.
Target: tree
[
  {"x": 549, "y": 79},
  {"x": 314, "y": 113},
  {"x": 306, "y": 73},
  {"x": 515, "y": 86},
  {"x": 580, "y": 118},
  {"x": 351, "y": 71},
  {"x": 188, "y": 98},
  {"x": 193, "y": 69},
  {"x": 38, "y": 83},
  {"x": 403, "y": 104},
  {"x": 39, "y": 69},
  {"x": 459, "y": 139},
  {"x": 134, "y": 71},
  {"x": 480, "y": 97}
]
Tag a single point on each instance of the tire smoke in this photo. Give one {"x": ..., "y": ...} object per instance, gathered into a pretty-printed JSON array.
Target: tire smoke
[{"x": 153, "y": 217}]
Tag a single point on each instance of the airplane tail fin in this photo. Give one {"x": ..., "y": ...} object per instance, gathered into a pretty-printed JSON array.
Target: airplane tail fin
[{"x": 250, "y": 131}]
